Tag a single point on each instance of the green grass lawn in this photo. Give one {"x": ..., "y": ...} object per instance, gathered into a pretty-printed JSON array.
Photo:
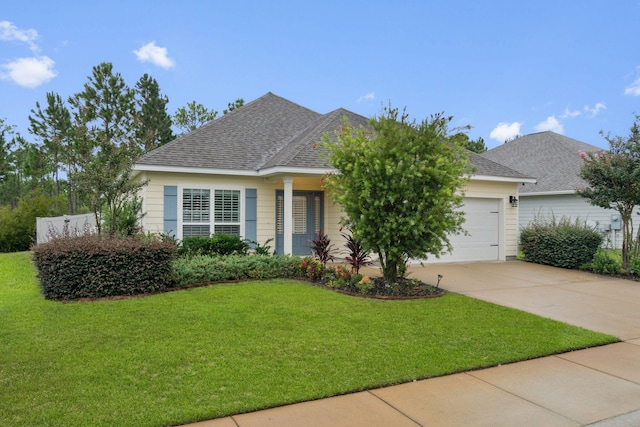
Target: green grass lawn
[{"x": 207, "y": 352}]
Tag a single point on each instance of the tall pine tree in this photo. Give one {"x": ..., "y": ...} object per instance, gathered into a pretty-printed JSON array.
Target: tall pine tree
[
  {"x": 106, "y": 147},
  {"x": 153, "y": 124}
]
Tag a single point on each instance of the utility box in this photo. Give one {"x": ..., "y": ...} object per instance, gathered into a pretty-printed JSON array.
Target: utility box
[{"x": 616, "y": 223}]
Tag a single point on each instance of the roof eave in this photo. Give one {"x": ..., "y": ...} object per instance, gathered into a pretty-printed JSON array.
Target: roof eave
[
  {"x": 283, "y": 170},
  {"x": 548, "y": 193},
  {"x": 503, "y": 179},
  {"x": 184, "y": 169}
]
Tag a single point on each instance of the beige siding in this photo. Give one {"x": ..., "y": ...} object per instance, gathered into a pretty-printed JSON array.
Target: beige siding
[
  {"x": 266, "y": 187},
  {"x": 154, "y": 197}
]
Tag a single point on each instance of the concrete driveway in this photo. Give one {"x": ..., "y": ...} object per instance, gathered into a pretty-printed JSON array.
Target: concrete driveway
[{"x": 594, "y": 302}]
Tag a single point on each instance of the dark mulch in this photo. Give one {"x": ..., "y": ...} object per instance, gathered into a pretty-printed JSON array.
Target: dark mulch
[{"x": 403, "y": 289}]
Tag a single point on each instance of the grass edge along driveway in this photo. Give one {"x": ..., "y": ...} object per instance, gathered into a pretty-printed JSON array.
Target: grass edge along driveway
[{"x": 224, "y": 349}]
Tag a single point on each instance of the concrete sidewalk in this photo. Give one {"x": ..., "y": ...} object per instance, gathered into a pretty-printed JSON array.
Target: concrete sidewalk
[{"x": 598, "y": 386}]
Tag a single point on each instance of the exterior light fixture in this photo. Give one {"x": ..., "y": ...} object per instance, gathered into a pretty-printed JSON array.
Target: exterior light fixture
[{"x": 514, "y": 201}]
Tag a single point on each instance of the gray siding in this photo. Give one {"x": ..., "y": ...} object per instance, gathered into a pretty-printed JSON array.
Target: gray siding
[{"x": 574, "y": 207}]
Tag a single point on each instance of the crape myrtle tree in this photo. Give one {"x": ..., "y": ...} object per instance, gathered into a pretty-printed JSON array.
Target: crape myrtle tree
[
  {"x": 399, "y": 184},
  {"x": 614, "y": 181}
]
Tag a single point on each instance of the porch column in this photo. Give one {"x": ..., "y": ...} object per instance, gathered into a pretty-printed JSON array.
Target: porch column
[{"x": 288, "y": 215}]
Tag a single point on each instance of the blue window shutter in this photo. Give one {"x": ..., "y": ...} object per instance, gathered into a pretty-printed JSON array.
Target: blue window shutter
[
  {"x": 170, "y": 210},
  {"x": 251, "y": 214}
]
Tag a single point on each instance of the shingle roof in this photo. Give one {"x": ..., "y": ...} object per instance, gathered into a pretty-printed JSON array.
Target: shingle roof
[
  {"x": 300, "y": 150},
  {"x": 488, "y": 167},
  {"x": 243, "y": 139},
  {"x": 270, "y": 132},
  {"x": 547, "y": 156}
]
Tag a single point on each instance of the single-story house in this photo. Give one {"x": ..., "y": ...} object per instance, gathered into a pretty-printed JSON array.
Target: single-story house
[
  {"x": 254, "y": 172},
  {"x": 555, "y": 162}
]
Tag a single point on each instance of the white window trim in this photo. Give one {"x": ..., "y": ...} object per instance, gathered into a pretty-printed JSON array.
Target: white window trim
[{"x": 212, "y": 189}]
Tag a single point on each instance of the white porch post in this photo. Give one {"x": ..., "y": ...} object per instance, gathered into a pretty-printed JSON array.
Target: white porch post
[{"x": 288, "y": 215}]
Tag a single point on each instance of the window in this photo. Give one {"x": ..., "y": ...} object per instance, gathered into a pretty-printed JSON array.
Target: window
[
  {"x": 196, "y": 212},
  {"x": 299, "y": 214}
]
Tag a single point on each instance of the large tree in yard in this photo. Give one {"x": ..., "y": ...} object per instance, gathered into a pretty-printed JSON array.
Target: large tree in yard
[
  {"x": 399, "y": 184},
  {"x": 614, "y": 181},
  {"x": 105, "y": 145}
]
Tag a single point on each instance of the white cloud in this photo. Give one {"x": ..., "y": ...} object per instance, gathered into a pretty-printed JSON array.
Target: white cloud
[
  {"x": 155, "y": 54},
  {"x": 568, "y": 114},
  {"x": 9, "y": 32},
  {"x": 505, "y": 131},
  {"x": 634, "y": 88},
  {"x": 368, "y": 97},
  {"x": 29, "y": 72},
  {"x": 552, "y": 124},
  {"x": 596, "y": 108}
]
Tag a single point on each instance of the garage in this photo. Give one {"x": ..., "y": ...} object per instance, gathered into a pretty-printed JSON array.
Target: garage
[{"x": 482, "y": 243}]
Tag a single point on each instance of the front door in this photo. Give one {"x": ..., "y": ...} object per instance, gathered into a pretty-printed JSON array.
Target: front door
[{"x": 307, "y": 220}]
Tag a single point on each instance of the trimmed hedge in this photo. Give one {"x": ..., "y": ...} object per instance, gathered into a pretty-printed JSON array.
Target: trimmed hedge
[
  {"x": 560, "y": 243},
  {"x": 217, "y": 244},
  {"x": 207, "y": 269},
  {"x": 92, "y": 267}
]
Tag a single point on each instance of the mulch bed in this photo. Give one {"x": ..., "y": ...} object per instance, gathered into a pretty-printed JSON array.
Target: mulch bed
[{"x": 404, "y": 289}]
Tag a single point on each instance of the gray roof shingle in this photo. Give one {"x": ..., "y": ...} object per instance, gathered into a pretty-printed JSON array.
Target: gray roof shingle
[
  {"x": 486, "y": 167},
  {"x": 243, "y": 139},
  {"x": 270, "y": 132},
  {"x": 547, "y": 156},
  {"x": 300, "y": 151}
]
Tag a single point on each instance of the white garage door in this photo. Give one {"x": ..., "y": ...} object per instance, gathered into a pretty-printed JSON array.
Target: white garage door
[{"x": 483, "y": 227}]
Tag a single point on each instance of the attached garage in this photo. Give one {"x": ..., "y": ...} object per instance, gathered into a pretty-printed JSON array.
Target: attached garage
[{"x": 482, "y": 241}]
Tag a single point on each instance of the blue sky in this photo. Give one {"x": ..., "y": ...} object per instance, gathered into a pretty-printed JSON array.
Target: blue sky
[{"x": 503, "y": 67}]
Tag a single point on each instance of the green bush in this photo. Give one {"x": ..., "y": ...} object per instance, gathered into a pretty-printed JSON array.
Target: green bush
[
  {"x": 18, "y": 226},
  {"x": 217, "y": 244},
  {"x": 603, "y": 263},
  {"x": 207, "y": 269},
  {"x": 92, "y": 266},
  {"x": 561, "y": 243},
  {"x": 635, "y": 265}
]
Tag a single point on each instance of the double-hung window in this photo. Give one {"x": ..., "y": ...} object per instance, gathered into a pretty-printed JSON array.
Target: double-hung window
[{"x": 208, "y": 211}]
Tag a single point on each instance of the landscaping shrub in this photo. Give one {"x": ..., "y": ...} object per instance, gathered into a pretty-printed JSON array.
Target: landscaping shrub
[
  {"x": 322, "y": 248},
  {"x": 92, "y": 266},
  {"x": 206, "y": 269},
  {"x": 357, "y": 256},
  {"x": 603, "y": 263},
  {"x": 217, "y": 244},
  {"x": 561, "y": 243},
  {"x": 18, "y": 226}
]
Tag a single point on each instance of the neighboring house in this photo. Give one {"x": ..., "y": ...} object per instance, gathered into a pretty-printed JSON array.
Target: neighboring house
[
  {"x": 254, "y": 172},
  {"x": 554, "y": 161}
]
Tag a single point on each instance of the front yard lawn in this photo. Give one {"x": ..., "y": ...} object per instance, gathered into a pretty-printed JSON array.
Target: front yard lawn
[{"x": 208, "y": 352}]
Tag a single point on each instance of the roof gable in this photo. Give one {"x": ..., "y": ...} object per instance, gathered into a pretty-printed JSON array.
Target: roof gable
[
  {"x": 300, "y": 151},
  {"x": 240, "y": 140},
  {"x": 549, "y": 157}
]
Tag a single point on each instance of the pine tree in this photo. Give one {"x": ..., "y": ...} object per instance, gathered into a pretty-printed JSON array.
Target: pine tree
[{"x": 153, "y": 125}]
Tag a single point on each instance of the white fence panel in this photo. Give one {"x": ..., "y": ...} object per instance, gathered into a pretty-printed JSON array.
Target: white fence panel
[{"x": 59, "y": 225}]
